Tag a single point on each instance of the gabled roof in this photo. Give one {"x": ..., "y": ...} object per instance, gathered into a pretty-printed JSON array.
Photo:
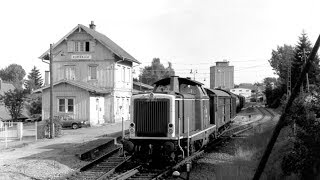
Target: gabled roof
[
  {"x": 104, "y": 40},
  {"x": 79, "y": 84},
  {"x": 4, "y": 87}
]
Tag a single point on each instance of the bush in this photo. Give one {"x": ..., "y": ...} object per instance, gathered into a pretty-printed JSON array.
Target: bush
[
  {"x": 44, "y": 128},
  {"x": 304, "y": 158}
]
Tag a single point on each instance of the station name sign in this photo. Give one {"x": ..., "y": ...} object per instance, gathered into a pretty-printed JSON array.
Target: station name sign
[{"x": 82, "y": 56}]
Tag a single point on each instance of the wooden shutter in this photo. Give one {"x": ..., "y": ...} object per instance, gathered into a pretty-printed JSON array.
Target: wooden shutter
[
  {"x": 92, "y": 45},
  {"x": 70, "y": 45}
]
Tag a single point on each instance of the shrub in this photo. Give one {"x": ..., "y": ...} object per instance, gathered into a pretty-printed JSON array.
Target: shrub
[{"x": 44, "y": 128}]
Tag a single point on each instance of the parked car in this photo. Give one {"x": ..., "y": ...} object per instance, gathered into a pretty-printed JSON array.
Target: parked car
[
  {"x": 34, "y": 118},
  {"x": 74, "y": 124}
]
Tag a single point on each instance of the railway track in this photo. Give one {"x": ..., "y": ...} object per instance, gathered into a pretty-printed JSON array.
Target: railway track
[
  {"x": 101, "y": 167},
  {"x": 266, "y": 115},
  {"x": 106, "y": 166}
]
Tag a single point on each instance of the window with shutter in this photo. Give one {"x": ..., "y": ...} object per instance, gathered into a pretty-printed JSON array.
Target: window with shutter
[
  {"x": 92, "y": 72},
  {"x": 92, "y": 45},
  {"x": 70, "y": 73},
  {"x": 70, "y": 45}
]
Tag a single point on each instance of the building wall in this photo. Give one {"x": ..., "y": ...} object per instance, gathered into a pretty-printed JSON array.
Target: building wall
[
  {"x": 81, "y": 101},
  {"x": 222, "y": 77},
  {"x": 101, "y": 57},
  {"x": 242, "y": 91},
  {"x": 121, "y": 99},
  {"x": 113, "y": 74}
]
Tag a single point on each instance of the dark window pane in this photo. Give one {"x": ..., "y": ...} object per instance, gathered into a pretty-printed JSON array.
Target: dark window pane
[
  {"x": 70, "y": 102},
  {"x": 61, "y": 102},
  {"x": 70, "y": 108},
  {"x": 87, "y": 46}
]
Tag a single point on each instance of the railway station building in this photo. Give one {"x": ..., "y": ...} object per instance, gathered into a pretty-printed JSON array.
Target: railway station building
[
  {"x": 92, "y": 78},
  {"x": 222, "y": 75}
]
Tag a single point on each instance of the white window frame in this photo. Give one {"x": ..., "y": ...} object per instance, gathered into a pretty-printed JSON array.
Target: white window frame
[{"x": 66, "y": 101}]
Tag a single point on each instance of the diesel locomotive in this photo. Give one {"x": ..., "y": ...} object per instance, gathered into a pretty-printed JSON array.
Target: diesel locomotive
[{"x": 179, "y": 117}]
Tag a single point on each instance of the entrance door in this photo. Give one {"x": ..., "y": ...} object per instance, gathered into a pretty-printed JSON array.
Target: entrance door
[
  {"x": 96, "y": 110},
  {"x": 100, "y": 109}
]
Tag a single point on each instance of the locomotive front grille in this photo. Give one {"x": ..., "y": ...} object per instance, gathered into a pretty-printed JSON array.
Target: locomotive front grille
[{"x": 151, "y": 117}]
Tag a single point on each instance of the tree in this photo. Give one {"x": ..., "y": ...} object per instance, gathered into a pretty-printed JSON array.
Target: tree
[
  {"x": 304, "y": 45},
  {"x": 156, "y": 71},
  {"x": 34, "y": 80},
  {"x": 14, "y": 73},
  {"x": 303, "y": 158},
  {"x": 280, "y": 60},
  {"x": 14, "y": 102},
  {"x": 34, "y": 103},
  {"x": 274, "y": 91}
]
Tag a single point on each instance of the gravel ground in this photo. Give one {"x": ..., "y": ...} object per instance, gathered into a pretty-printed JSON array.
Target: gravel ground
[
  {"x": 50, "y": 158},
  {"x": 237, "y": 158}
]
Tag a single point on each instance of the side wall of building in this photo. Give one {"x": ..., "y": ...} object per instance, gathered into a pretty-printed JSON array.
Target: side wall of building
[{"x": 81, "y": 101}]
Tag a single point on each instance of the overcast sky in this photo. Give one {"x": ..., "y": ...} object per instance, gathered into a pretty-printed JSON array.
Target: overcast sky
[{"x": 190, "y": 34}]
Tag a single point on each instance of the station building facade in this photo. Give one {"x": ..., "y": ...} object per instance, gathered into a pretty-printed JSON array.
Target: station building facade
[{"x": 92, "y": 78}]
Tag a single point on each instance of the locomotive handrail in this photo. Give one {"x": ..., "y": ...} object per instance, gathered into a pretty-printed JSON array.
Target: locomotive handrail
[{"x": 179, "y": 139}]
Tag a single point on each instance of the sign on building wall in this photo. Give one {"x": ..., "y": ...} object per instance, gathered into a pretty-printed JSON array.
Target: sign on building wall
[{"x": 81, "y": 56}]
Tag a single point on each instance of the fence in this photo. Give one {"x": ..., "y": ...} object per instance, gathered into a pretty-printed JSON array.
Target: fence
[{"x": 13, "y": 132}]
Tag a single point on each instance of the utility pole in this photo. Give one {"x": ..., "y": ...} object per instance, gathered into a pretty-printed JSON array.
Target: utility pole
[
  {"x": 194, "y": 74},
  {"x": 51, "y": 94},
  {"x": 289, "y": 80},
  {"x": 305, "y": 60}
]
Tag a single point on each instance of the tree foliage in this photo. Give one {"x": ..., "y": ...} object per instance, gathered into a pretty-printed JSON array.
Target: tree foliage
[
  {"x": 280, "y": 60},
  {"x": 304, "y": 45},
  {"x": 14, "y": 102},
  {"x": 14, "y": 73},
  {"x": 304, "y": 158},
  {"x": 34, "y": 80},
  {"x": 34, "y": 104},
  {"x": 285, "y": 57},
  {"x": 155, "y": 72},
  {"x": 274, "y": 91}
]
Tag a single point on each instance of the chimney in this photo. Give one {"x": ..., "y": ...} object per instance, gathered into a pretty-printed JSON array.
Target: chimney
[
  {"x": 174, "y": 82},
  {"x": 92, "y": 25},
  {"x": 46, "y": 78}
]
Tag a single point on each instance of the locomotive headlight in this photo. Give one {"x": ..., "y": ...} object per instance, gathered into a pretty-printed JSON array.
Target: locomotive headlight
[
  {"x": 131, "y": 128},
  {"x": 170, "y": 128}
]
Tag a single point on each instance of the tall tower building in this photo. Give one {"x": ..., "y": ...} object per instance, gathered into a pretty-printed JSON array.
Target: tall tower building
[{"x": 222, "y": 75}]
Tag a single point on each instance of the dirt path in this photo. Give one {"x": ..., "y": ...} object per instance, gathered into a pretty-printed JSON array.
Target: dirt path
[{"x": 49, "y": 159}]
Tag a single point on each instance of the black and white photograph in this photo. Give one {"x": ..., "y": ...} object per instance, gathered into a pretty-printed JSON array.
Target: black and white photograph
[{"x": 160, "y": 89}]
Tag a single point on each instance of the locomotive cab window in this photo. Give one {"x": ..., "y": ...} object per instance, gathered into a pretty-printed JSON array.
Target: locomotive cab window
[
  {"x": 189, "y": 89},
  {"x": 162, "y": 88}
]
